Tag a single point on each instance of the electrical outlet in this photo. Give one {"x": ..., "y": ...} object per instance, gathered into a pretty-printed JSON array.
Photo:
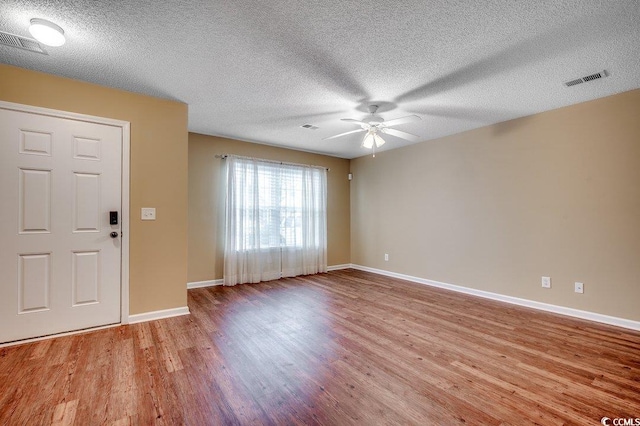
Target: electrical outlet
[
  {"x": 386, "y": 257},
  {"x": 546, "y": 282},
  {"x": 148, "y": 213},
  {"x": 579, "y": 288}
]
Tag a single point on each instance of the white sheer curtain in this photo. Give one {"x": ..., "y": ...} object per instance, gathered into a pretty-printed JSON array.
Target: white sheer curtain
[{"x": 276, "y": 220}]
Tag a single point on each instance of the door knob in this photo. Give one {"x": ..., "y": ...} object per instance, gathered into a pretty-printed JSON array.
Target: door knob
[{"x": 114, "y": 234}]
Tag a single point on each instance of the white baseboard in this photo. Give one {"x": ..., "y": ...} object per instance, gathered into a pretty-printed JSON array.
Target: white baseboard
[
  {"x": 200, "y": 284},
  {"x": 337, "y": 267},
  {"x": 562, "y": 310},
  {"x": 156, "y": 315}
]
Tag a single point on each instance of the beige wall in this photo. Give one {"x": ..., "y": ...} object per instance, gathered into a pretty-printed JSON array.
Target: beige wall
[
  {"x": 554, "y": 194},
  {"x": 206, "y": 205},
  {"x": 158, "y": 250}
]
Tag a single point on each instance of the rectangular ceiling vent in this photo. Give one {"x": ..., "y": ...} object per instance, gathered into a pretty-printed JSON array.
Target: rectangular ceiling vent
[
  {"x": 573, "y": 82},
  {"x": 594, "y": 76},
  {"x": 591, "y": 77},
  {"x": 310, "y": 126},
  {"x": 24, "y": 43}
]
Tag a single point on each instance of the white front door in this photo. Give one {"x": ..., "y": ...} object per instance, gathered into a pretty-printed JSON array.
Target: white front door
[{"x": 59, "y": 263}]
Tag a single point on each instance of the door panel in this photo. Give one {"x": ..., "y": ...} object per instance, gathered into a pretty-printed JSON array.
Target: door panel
[
  {"x": 34, "y": 201},
  {"x": 87, "y": 202},
  {"x": 60, "y": 178},
  {"x": 35, "y": 143},
  {"x": 86, "y": 277},
  {"x": 34, "y": 280}
]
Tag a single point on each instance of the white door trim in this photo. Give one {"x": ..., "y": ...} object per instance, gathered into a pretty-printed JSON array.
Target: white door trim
[{"x": 125, "y": 127}]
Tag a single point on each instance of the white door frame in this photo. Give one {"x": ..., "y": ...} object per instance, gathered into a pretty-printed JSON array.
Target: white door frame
[{"x": 125, "y": 126}]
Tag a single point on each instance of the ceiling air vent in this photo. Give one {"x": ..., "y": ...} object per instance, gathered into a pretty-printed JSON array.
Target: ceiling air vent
[
  {"x": 21, "y": 43},
  {"x": 601, "y": 74},
  {"x": 573, "y": 82},
  {"x": 310, "y": 126},
  {"x": 594, "y": 76}
]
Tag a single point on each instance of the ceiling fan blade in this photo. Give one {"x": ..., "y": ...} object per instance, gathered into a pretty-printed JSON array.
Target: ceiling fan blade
[
  {"x": 401, "y": 134},
  {"x": 402, "y": 120},
  {"x": 353, "y": 120},
  {"x": 344, "y": 134}
]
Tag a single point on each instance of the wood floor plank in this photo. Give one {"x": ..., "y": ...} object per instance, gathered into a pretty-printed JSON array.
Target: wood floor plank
[
  {"x": 343, "y": 348},
  {"x": 64, "y": 413}
]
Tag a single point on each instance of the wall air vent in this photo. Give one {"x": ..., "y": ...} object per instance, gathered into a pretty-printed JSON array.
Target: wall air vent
[
  {"x": 310, "y": 126},
  {"x": 601, "y": 74},
  {"x": 21, "y": 43}
]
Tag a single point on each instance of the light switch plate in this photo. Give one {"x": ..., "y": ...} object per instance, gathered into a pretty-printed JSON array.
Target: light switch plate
[{"x": 148, "y": 213}]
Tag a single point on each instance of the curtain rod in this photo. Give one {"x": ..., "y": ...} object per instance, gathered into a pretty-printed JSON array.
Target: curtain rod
[{"x": 223, "y": 156}]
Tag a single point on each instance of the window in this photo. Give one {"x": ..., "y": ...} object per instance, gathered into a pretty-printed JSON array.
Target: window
[
  {"x": 275, "y": 220},
  {"x": 274, "y": 196}
]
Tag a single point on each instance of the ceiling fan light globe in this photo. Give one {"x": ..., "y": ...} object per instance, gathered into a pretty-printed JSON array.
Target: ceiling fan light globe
[
  {"x": 367, "y": 142},
  {"x": 378, "y": 140}
]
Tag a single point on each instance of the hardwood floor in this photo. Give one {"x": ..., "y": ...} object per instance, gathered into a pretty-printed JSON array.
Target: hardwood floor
[{"x": 347, "y": 347}]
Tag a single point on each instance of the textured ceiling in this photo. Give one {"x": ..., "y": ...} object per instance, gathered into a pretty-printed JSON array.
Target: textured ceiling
[{"x": 258, "y": 70}]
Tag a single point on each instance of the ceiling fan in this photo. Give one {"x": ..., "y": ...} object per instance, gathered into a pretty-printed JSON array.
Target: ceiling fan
[{"x": 374, "y": 125}]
